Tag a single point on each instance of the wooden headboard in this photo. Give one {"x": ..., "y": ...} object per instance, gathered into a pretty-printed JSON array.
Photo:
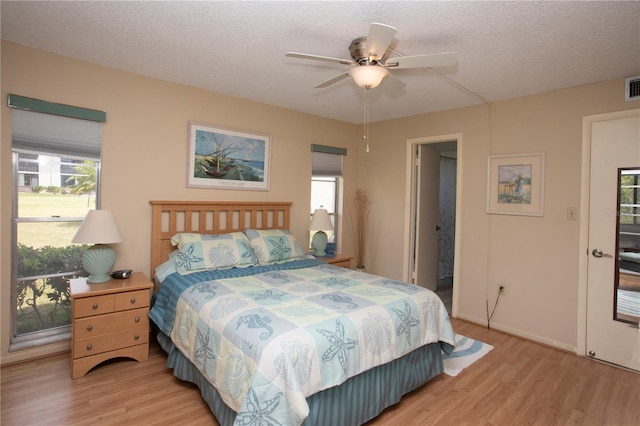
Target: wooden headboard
[{"x": 209, "y": 217}]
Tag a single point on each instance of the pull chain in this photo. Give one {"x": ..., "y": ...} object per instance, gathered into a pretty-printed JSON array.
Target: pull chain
[{"x": 366, "y": 118}]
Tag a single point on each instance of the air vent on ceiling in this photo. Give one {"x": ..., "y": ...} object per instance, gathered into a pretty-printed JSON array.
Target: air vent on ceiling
[{"x": 632, "y": 88}]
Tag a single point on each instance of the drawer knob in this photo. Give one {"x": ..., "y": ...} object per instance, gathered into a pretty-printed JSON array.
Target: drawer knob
[
  {"x": 136, "y": 337},
  {"x": 89, "y": 327},
  {"x": 89, "y": 346},
  {"x": 95, "y": 306},
  {"x": 137, "y": 319},
  {"x": 133, "y": 300}
]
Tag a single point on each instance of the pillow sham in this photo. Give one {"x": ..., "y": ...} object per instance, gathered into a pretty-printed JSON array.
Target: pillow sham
[
  {"x": 212, "y": 251},
  {"x": 274, "y": 245},
  {"x": 167, "y": 267}
]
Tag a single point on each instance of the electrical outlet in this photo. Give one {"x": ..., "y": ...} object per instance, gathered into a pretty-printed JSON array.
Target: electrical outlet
[{"x": 503, "y": 291}]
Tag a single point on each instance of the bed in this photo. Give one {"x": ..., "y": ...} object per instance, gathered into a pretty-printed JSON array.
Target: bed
[{"x": 271, "y": 335}]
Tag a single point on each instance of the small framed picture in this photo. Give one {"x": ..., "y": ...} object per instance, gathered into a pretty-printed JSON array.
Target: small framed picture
[
  {"x": 515, "y": 184},
  {"x": 227, "y": 159}
]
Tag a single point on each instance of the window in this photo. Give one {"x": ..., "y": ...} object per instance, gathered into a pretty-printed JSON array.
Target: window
[
  {"x": 324, "y": 194},
  {"x": 629, "y": 210},
  {"x": 325, "y": 185},
  {"x": 630, "y": 197},
  {"x": 56, "y": 165}
]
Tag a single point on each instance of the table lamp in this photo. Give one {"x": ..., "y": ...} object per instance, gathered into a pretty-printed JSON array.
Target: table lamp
[
  {"x": 320, "y": 221},
  {"x": 99, "y": 228}
]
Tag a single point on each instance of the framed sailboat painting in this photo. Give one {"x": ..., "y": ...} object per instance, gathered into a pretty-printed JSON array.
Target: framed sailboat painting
[{"x": 227, "y": 159}]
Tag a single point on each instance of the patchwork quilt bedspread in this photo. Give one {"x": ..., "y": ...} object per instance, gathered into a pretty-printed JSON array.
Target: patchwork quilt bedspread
[{"x": 266, "y": 341}]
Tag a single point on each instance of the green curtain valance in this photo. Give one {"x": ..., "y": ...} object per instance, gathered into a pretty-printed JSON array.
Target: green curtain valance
[{"x": 37, "y": 105}]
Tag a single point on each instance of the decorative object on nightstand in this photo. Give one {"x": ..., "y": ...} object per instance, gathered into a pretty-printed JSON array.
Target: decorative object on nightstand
[
  {"x": 331, "y": 249},
  {"x": 110, "y": 320},
  {"x": 99, "y": 228},
  {"x": 320, "y": 221}
]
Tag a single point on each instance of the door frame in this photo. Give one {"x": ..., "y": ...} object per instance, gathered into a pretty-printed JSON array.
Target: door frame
[
  {"x": 410, "y": 203},
  {"x": 585, "y": 191}
]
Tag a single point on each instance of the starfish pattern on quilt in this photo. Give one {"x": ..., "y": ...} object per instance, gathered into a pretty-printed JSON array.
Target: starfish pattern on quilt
[
  {"x": 340, "y": 344},
  {"x": 267, "y": 295},
  {"x": 406, "y": 322},
  {"x": 258, "y": 413}
]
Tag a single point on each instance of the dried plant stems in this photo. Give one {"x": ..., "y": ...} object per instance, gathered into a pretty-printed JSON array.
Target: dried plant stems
[{"x": 361, "y": 207}]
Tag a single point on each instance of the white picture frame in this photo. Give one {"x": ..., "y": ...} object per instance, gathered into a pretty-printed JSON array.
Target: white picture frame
[
  {"x": 515, "y": 184},
  {"x": 227, "y": 159}
]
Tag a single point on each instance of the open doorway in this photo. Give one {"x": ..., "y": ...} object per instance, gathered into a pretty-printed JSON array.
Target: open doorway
[{"x": 434, "y": 201}]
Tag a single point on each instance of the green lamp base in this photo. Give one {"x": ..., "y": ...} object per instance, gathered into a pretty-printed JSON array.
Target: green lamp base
[
  {"x": 98, "y": 261},
  {"x": 319, "y": 243}
]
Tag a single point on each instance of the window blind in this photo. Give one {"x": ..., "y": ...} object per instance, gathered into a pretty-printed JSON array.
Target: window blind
[
  {"x": 53, "y": 134},
  {"x": 327, "y": 160}
]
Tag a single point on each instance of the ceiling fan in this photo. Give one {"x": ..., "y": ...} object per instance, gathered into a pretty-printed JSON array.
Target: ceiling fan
[{"x": 370, "y": 64}]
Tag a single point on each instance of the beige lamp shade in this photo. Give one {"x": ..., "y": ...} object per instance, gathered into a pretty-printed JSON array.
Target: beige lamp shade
[
  {"x": 320, "y": 221},
  {"x": 98, "y": 227}
]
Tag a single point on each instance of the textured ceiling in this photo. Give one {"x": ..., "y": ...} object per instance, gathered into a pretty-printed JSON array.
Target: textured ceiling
[{"x": 505, "y": 49}]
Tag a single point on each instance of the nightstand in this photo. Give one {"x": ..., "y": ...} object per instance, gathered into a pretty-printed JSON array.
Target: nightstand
[
  {"x": 338, "y": 259},
  {"x": 109, "y": 321}
]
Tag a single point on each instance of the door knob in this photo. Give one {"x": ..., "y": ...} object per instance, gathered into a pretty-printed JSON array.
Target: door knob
[{"x": 599, "y": 253}]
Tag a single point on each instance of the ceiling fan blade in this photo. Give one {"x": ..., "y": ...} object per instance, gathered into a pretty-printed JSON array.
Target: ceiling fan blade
[
  {"x": 394, "y": 82},
  {"x": 379, "y": 38},
  {"x": 423, "y": 61},
  {"x": 332, "y": 81},
  {"x": 319, "y": 58}
]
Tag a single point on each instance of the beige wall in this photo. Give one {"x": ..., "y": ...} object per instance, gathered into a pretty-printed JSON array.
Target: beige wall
[
  {"x": 144, "y": 146},
  {"x": 535, "y": 258}
]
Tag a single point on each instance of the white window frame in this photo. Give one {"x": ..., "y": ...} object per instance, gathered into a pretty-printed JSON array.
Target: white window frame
[{"x": 74, "y": 138}]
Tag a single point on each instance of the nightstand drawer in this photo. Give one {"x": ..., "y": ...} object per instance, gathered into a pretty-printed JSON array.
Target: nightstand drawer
[
  {"x": 110, "y": 323},
  {"x": 344, "y": 264},
  {"x": 109, "y": 342},
  {"x": 132, "y": 300},
  {"x": 95, "y": 305}
]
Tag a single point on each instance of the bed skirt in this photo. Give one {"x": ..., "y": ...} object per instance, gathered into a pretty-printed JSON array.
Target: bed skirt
[{"x": 354, "y": 402}]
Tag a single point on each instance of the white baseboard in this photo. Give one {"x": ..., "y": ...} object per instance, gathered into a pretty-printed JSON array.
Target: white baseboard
[{"x": 519, "y": 333}]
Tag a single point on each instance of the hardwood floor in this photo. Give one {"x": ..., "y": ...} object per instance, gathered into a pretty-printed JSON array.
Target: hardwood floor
[{"x": 519, "y": 382}]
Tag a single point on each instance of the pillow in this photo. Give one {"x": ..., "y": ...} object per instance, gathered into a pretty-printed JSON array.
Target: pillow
[
  {"x": 167, "y": 267},
  {"x": 274, "y": 246},
  {"x": 203, "y": 251}
]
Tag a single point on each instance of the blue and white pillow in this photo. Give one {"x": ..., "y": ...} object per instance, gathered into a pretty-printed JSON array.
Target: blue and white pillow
[
  {"x": 274, "y": 246},
  {"x": 212, "y": 251}
]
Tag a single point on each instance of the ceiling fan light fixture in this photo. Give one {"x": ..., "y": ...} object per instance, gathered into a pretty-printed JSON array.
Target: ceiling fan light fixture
[{"x": 368, "y": 76}]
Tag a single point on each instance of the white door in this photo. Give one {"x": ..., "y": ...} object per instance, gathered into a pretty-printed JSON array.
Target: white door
[
  {"x": 615, "y": 143},
  {"x": 428, "y": 217}
]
